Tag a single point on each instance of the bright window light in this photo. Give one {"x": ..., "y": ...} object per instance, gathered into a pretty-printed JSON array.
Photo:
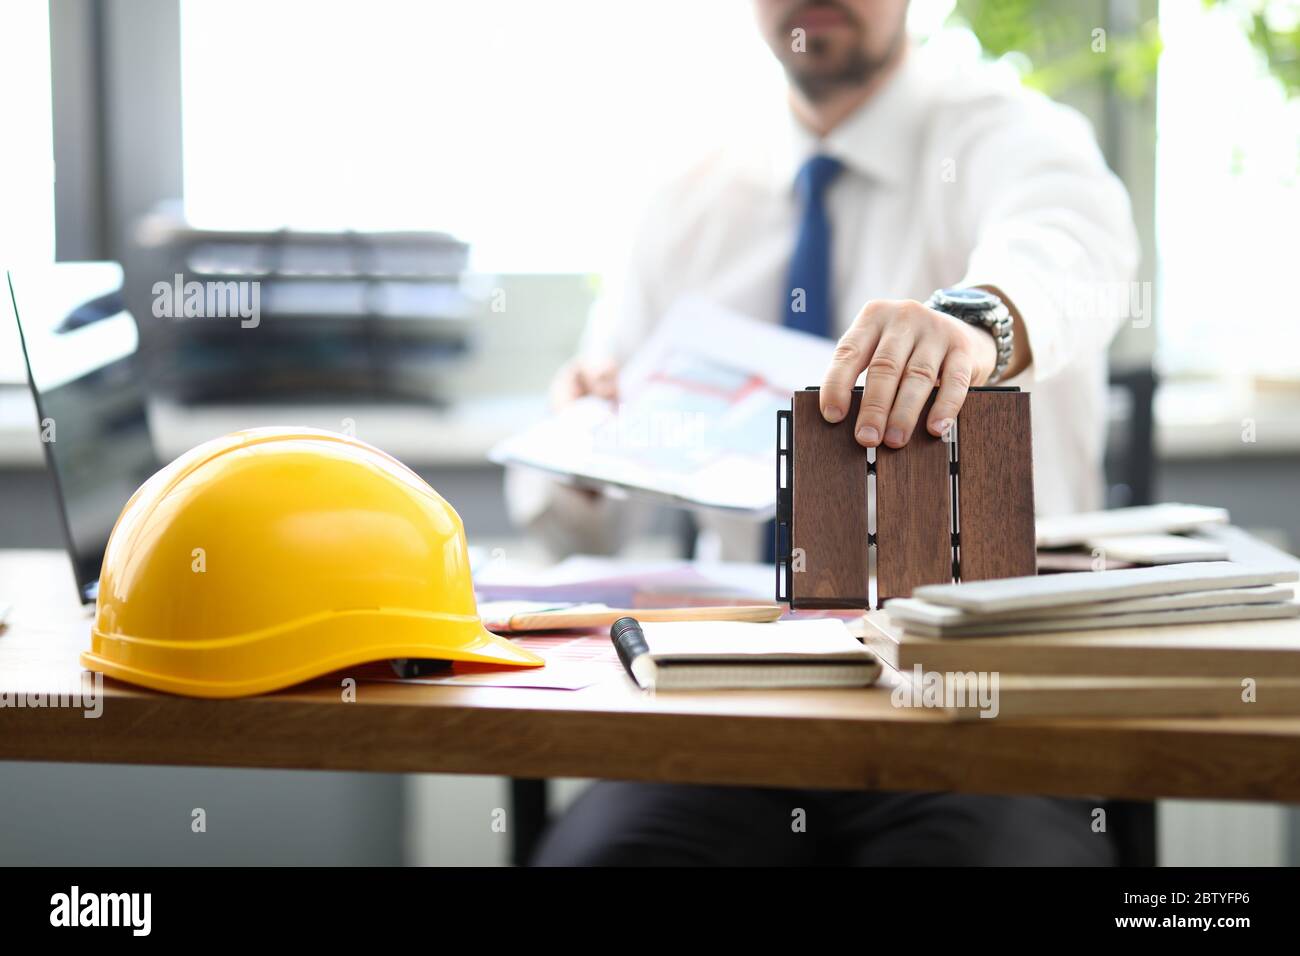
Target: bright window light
[
  {"x": 1227, "y": 201},
  {"x": 27, "y": 156},
  {"x": 536, "y": 131}
]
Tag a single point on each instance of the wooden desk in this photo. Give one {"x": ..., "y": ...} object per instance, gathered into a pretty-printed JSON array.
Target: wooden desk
[{"x": 839, "y": 738}]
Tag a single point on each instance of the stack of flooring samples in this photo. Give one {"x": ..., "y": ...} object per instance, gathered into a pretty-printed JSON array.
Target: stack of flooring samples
[
  {"x": 1195, "y": 593},
  {"x": 1150, "y": 534},
  {"x": 1166, "y": 518},
  {"x": 1201, "y": 638}
]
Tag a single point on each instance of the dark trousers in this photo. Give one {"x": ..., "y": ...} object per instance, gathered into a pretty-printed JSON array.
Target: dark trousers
[{"x": 649, "y": 824}]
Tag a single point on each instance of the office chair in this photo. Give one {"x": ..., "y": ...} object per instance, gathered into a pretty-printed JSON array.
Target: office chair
[
  {"x": 1130, "y": 479},
  {"x": 1130, "y": 457}
]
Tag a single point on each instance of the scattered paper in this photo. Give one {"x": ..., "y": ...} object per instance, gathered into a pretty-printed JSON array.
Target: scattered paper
[{"x": 572, "y": 663}]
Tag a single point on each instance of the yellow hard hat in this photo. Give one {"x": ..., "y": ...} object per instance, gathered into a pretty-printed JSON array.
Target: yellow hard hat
[{"x": 274, "y": 555}]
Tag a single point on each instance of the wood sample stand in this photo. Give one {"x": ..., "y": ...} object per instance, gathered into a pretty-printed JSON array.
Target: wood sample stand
[{"x": 937, "y": 510}]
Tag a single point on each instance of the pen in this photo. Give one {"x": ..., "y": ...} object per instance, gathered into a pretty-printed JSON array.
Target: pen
[{"x": 629, "y": 642}]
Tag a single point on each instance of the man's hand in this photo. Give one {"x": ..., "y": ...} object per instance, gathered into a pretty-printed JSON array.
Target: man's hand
[
  {"x": 906, "y": 349},
  {"x": 579, "y": 378}
]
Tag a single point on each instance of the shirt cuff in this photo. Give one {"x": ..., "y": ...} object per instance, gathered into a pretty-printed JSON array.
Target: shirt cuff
[{"x": 1040, "y": 311}]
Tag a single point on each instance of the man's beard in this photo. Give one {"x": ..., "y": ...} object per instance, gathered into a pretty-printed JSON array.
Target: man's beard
[
  {"x": 854, "y": 70},
  {"x": 816, "y": 85}
]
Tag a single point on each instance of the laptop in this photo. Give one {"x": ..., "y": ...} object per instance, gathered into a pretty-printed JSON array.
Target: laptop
[{"x": 80, "y": 345}]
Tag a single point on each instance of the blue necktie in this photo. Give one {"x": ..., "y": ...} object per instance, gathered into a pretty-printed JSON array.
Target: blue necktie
[
  {"x": 808, "y": 289},
  {"x": 807, "y": 304}
]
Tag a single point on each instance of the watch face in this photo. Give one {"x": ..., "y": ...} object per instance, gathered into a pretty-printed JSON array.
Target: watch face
[{"x": 967, "y": 298}]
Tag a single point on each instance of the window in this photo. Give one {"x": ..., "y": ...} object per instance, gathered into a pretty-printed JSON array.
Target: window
[
  {"x": 1227, "y": 201},
  {"x": 27, "y": 159},
  {"x": 533, "y": 130}
]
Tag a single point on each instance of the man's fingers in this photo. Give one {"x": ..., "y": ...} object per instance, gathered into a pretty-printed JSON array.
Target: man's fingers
[
  {"x": 851, "y": 356},
  {"x": 954, "y": 383},
  {"x": 599, "y": 378},
  {"x": 566, "y": 387},
  {"x": 603, "y": 382},
  {"x": 915, "y": 386},
  {"x": 883, "y": 373},
  {"x": 578, "y": 378}
]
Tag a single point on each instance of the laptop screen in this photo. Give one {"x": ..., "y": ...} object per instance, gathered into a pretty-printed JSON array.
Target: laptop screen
[{"x": 80, "y": 344}]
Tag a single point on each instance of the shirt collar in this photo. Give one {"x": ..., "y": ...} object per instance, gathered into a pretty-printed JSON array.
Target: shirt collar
[{"x": 877, "y": 140}]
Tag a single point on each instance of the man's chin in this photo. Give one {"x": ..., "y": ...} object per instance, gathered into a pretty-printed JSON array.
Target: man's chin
[{"x": 818, "y": 82}]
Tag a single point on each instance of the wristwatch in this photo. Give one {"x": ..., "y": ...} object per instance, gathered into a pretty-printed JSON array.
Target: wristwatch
[{"x": 983, "y": 308}]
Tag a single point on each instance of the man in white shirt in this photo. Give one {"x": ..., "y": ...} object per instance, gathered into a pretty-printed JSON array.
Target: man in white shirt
[
  {"x": 950, "y": 177},
  {"x": 891, "y": 176}
]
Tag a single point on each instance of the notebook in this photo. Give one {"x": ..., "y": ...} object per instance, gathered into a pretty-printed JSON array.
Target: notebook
[{"x": 690, "y": 655}]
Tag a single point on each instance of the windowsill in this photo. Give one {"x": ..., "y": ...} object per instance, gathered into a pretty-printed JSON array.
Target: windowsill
[
  {"x": 1222, "y": 419},
  {"x": 1193, "y": 420},
  {"x": 419, "y": 436}
]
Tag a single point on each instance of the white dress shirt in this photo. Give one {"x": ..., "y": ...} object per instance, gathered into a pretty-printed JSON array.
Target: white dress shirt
[{"x": 952, "y": 176}]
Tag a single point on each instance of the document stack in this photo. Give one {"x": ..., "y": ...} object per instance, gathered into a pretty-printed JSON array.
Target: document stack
[{"x": 307, "y": 315}]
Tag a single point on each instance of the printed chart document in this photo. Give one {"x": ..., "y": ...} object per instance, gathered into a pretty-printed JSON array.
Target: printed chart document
[{"x": 696, "y": 420}]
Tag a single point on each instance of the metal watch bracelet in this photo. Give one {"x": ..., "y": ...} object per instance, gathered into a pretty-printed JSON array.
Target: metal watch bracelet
[{"x": 995, "y": 320}]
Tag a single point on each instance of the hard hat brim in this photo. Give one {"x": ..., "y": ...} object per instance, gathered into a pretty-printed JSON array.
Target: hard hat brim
[{"x": 241, "y": 666}]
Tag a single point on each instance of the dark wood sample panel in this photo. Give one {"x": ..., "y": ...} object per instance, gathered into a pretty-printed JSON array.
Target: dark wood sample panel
[
  {"x": 828, "y": 528},
  {"x": 913, "y": 514},
  {"x": 914, "y": 499},
  {"x": 995, "y": 486}
]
